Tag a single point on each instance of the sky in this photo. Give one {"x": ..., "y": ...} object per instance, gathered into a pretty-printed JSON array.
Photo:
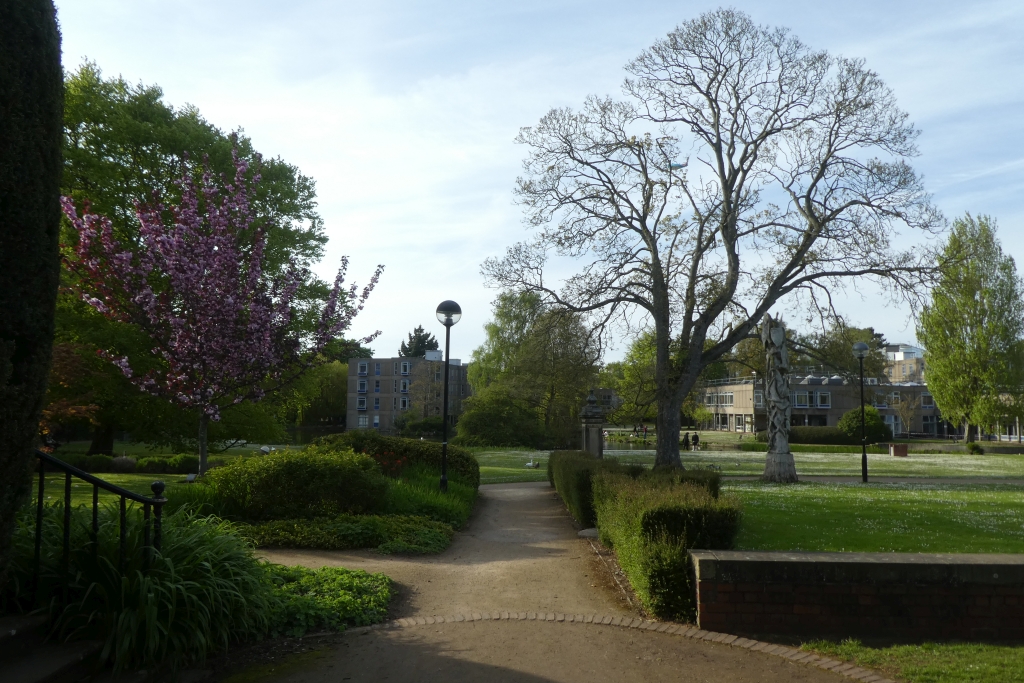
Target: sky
[{"x": 405, "y": 113}]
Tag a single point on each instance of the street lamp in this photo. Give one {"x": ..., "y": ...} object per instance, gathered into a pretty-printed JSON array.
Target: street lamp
[
  {"x": 448, "y": 313},
  {"x": 861, "y": 350}
]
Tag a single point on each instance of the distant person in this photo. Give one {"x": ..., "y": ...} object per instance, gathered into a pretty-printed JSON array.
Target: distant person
[
  {"x": 696, "y": 441},
  {"x": 686, "y": 441},
  {"x": 645, "y": 432}
]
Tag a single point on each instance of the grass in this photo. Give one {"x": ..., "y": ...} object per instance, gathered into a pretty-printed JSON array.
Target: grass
[
  {"x": 907, "y": 518},
  {"x": 932, "y": 662},
  {"x": 505, "y": 465}
]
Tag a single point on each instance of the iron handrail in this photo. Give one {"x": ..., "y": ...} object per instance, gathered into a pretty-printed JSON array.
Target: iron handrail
[{"x": 155, "y": 503}]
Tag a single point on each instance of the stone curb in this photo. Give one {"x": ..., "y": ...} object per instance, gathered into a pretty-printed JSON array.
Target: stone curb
[{"x": 671, "y": 628}]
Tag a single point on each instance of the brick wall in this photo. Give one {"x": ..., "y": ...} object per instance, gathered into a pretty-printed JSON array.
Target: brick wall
[{"x": 861, "y": 594}]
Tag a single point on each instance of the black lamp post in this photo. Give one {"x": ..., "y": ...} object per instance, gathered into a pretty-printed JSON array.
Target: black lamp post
[
  {"x": 448, "y": 313},
  {"x": 861, "y": 350}
]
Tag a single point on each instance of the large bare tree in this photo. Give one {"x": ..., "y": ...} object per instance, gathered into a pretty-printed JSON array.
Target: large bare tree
[{"x": 741, "y": 168}]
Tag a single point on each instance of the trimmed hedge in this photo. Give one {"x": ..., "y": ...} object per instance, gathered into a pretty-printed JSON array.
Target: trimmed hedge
[
  {"x": 832, "y": 436},
  {"x": 572, "y": 472},
  {"x": 394, "y": 453},
  {"x": 177, "y": 464},
  {"x": 651, "y": 522},
  {"x": 302, "y": 484},
  {"x": 387, "y": 533}
]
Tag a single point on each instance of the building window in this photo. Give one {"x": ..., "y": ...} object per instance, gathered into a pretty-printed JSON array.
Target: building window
[
  {"x": 394, "y": 404},
  {"x": 361, "y": 403},
  {"x": 894, "y": 398},
  {"x": 405, "y": 386},
  {"x": 930, "y": 423},
  {"x": 364, "y": 421},
  {"x": 800, "y": 399},
  {"x": 405, "y": 367},
  {"x": 927, "y": 401},
  {"x": 376, "y": 404},
  {"x": 404, "y": 403},
  {"x": 376, "y": 386},
  {"x": 376, "y": 421},
  {"x": 362, "y": 386},
  {"x": 362, "y": 368},
  {"x": 824, "y": 399},
  {"x": 879, "y": 400},
  {"x": 725, "y": 399},
  {"x": 396, "y": 368},
  {"x": 396, "y": 386},
  {"x": 759, "y": 399},
  {"x": 376, "y": 368}
]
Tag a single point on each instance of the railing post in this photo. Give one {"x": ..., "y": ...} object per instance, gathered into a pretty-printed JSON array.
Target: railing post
[
  {"x": 95, "y": 520},
  {"x": 65, "y": 558},
  {"x": 158, "y": 508},
  {"x": 120, "y": 557},
  {"x": 145, "y": 538},
  {"x": 39, "y": 527}
]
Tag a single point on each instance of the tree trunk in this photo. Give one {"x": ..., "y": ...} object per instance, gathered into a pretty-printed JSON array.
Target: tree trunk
[
  {"x": 31, "y": 122},
  {"x": 780, "y": 468},
  {"x": 102, "y": 440},
  {"x": 667, "y": 453},
  {"x": 204, "y": 423}
]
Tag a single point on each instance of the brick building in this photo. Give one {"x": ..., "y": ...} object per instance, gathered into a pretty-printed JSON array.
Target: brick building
[{"x": 382, "y": 389}]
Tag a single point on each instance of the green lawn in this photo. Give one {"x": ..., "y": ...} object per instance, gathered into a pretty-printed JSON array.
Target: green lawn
[
  {"x": 932, "y": 662},
  {"x": 81, "y": 492},
  {"x": 848, "y": 464},
  {"x": 908, "y": 518},
  {"x": 503, "y": 465}
]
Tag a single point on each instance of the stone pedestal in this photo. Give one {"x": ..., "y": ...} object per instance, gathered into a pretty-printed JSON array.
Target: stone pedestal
[{"x": 592, "y": 427}]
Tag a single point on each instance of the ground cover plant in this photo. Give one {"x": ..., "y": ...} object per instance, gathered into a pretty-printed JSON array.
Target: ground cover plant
[
  {"x": 931, "y": 662},
  {"x": 909, "y": 518},
  {"x": 394, "y": 453},
  {"x": 205, "y": 589}
]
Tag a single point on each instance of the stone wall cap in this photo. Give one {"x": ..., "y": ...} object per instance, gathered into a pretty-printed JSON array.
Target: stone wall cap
[{"x": 859, "y": 558}]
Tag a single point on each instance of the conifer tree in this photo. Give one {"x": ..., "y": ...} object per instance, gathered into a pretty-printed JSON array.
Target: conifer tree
[{"x": 420, "y": 341}]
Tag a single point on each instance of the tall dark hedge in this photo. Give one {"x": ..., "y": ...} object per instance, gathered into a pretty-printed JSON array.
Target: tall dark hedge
[{"x": 31, "y": 113}]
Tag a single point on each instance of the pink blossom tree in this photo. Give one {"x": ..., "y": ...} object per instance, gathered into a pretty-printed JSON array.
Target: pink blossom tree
[{"x": 223, "y": 330}]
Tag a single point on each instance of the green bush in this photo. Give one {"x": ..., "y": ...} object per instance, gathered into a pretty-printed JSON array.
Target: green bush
[
  {"x": 176, "y": 464},
  {"x": 98, "y": 463},
  {"x": 122, "y": 465},
  {"x": 875, "y": 428},
  {"x": 833, "y": 436},
  {"x": 202, "y": 592},
  {"x": 428, "y": 426},
  {"x": 651, "y": 522},
  {"x": 386, "y": 533},
  {"x": 974, "y": 448},
  {"x": 395, "y": 453},
  {"x": 299, "y": 484},
  {"x": 709, "y": 480},
  {"x": 570, "y": 472},
  {"x": 418, "y": 493},
  {"x": 493, "y": 417}
]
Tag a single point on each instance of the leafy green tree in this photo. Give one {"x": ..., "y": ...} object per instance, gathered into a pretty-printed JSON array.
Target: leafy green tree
[
  {"x": 122, "y": 143},
  {"x": 973, "y": 329},
  {"x": 495, "y": 417},
  {"x": 544, "y": 358},
  {"x": 420, "y": 341},
  {"x": 875, "y": 428},
  {"x": 636, "y": 386},
  {"x": 31, "y": 99}
]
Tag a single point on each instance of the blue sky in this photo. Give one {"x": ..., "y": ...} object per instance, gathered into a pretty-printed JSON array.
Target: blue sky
[{"x": 405, "y": 112}]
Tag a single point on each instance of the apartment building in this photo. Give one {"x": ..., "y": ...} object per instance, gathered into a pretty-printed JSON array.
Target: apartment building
[
  {"x": 382, "y": 389},
  {"x": 905, "y": 363},
  {"x": 737, "y": 404}
]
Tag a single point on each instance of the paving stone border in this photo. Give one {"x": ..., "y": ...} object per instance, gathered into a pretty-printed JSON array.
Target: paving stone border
[{"x": 671, "y": 628}]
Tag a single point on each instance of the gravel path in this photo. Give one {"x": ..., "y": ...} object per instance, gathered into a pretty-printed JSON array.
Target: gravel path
[{"x": 520, "y": 553}]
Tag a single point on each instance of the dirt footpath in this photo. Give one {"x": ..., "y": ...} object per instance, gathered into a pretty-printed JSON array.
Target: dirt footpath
[{"x": 519, "y": 552}]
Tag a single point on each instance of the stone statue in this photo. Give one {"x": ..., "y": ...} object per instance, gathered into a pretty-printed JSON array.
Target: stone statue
[{"x": 779, "y": 465}]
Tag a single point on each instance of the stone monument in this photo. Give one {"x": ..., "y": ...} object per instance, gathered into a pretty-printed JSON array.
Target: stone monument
[
  {"x": 779, "y": 465},
  {"x": 592, "y": 423}
]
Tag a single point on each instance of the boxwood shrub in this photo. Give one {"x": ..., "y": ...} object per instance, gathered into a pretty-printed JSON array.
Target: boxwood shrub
[
  {"x": 571, "y": 472},
  {"x": 651, "y": 522},
  {"x": 832, "y": 436},
  {"x": 300, "y": 484},
  {"x": 395, "y": 453}
]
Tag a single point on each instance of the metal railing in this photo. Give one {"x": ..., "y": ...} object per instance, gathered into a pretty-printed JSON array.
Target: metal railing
[{"x": 154, "y": 504}]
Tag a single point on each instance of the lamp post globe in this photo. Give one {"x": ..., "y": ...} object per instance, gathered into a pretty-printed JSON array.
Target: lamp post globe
[
  {"x": 448, "y": 313},
  {"x": 860, "y": 352}
]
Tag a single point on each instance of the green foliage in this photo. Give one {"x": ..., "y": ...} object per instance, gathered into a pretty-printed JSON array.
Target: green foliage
[
  {"x": 316, "y": 482},
  {"x": 875, "y": 428},
  {"x": 536, "y": 359},
  {"x": 176, "y": 464},
  {"x": 386, "y": 533},
  {"x": 98, "y": 463},
  {"x": 571, "y": 472},
  {"x": 418, "y": 492},
  {"x": 973, "y": 329},
  {"x": 651, "y": 522},
  {"x": 202, "y": 592},
  {"x": 462, "y": 466},
  {"x": 31, "y": 106},
  {"x": 494, "y": 417},
  {"x": 974, "y": 448},
  {"x": 420, "y": 341},
  {"x": 428, "y": 426},
  {"x": 326, "y": 598}
]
